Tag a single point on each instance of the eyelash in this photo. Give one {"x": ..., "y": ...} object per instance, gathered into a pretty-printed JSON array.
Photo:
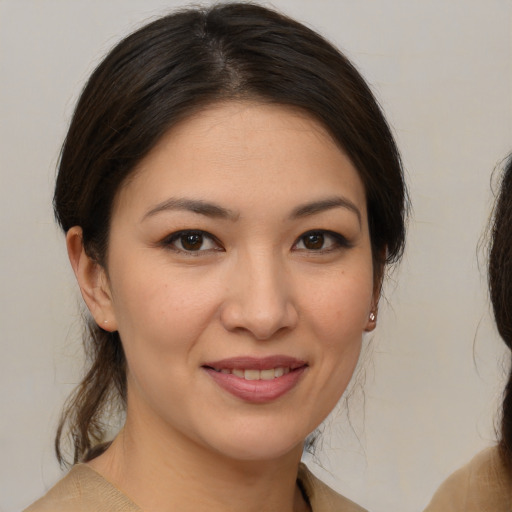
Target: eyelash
[
  {"x": 170, "y": 241},
  {"x": 338, "y": 241}
]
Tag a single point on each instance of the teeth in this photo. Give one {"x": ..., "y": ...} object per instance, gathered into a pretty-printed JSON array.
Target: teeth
[
  {"x": 267, "y": 374},
  {"x": 250, "y": 374}
]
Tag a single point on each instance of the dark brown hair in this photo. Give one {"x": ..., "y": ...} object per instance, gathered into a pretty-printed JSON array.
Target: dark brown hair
[
  {"x": 500, "y": 287},
  {"x": 167, "y": 71}
]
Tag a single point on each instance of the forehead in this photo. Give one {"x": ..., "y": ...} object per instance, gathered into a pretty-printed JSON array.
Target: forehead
[{"x": 246, "y": 150}]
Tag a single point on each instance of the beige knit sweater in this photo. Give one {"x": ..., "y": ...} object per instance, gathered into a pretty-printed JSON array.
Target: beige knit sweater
[
  {"x": 482, "y": 485},
  {"x": 85, "y": 490}
]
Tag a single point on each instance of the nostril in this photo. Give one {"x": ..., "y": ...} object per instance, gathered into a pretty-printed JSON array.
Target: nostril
[{"x": 259, "y": 303}]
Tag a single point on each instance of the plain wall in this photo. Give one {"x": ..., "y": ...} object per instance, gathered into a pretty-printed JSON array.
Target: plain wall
[{"x": 443, "y": 74}]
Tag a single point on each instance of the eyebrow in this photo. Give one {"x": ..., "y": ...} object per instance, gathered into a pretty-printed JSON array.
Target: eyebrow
[
  {"x": 213, "y": 210},
  {"x": 192, "y": 205},
  {"x": 324, "y": 205}
]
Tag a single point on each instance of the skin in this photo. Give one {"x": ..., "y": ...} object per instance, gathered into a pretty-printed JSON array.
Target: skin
[{"x": 254, "y": 286}]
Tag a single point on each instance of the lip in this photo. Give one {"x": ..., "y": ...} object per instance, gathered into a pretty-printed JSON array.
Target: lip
[{"x": 256, "y": 391}]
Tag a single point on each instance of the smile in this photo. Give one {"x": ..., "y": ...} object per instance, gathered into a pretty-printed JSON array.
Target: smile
[
  {"x": 257, "y": 380},
  {"x": 249, "y": 374}
]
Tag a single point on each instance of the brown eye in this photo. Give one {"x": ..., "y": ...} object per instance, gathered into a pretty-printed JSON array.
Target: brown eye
[
  {"x": 313, "y": 241},
  {"x": 191, "y": 241},
  {"x": 321, "y": 241}
]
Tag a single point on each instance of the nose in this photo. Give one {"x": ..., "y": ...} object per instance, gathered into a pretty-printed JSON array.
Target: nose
[{"x": 259, "y": 299}]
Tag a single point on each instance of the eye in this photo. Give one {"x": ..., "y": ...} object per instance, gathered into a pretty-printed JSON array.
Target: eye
[
  {"x": 191, "y": 241},
  {"x": 320, "y": 241}
]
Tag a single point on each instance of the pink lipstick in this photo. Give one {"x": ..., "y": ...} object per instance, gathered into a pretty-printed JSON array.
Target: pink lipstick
[{"x": 257, "y": 380}]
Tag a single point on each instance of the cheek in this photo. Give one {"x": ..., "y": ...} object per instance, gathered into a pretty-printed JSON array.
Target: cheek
[
  {"x": 339, "y": 317},
  {"x": 161, "y": 308},
  {"x": 340, "y": 308}
]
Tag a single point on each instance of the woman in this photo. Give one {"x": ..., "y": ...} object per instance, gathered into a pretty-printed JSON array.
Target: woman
[
  {"x": 485, "y": 483},
  {"x": 231, "y": 195}
]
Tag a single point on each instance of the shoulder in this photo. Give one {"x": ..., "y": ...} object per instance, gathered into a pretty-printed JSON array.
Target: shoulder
[
  {"x": 83, "y": 490},
  {"x": 321, "y": 497},
  {"x": 482, "y": 485}
]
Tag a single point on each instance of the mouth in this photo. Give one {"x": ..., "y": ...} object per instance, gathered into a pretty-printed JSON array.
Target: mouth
[
  {"x": 250, "y": 374},
  {"x": 257, "y": 380}
]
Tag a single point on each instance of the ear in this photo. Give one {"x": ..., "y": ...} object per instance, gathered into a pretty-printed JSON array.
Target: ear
[
  {"x": 372, "y": 318},
  {"x": 92, "y": 279},
  {"x": 374, "y": 306}
]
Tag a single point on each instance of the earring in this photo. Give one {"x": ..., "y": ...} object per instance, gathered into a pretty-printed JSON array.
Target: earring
[{"x": 372, "y": 317}]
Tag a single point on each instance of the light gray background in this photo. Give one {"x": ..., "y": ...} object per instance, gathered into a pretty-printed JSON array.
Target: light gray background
[{"x": 443, "y": 73}]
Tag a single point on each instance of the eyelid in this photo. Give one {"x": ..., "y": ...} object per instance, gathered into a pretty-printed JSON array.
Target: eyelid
[
  {"x": 168, "y": 242},
  {"x": 340, "y": 241}
]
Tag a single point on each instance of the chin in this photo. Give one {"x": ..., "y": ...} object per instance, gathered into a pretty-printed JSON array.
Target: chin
[
  {"x": 258, "y": 446},
  {"x": 261, "y": 452}
]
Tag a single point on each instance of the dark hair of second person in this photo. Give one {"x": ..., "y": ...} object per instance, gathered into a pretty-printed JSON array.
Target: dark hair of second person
[
  {"x": 500, "y": 288},
  {"x": 485, "y": 482}
]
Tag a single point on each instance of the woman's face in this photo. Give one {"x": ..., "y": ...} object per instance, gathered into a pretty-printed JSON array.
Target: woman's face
[{"x": 240, "y": 280}]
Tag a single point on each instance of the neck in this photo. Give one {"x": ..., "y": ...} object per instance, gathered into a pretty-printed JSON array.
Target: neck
[{"x": 165, "y": 473}]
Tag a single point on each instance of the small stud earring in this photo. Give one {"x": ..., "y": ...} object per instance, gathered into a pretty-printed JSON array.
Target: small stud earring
[{"x": 372, "y": 316}]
